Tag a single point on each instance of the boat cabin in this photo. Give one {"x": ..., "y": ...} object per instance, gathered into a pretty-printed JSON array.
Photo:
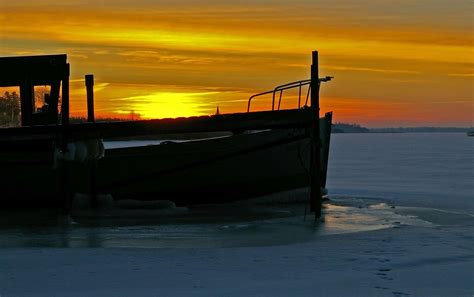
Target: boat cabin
[{"x": 50, "y": 71}]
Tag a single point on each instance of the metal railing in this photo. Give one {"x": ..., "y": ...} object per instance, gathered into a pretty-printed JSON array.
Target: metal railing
[{"x": 296, "y": 84}]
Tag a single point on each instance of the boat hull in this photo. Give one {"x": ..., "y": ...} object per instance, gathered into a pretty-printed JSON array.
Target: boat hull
[
  {"x": 216, "y": 170},
  {"x": 208, "y": 171}
]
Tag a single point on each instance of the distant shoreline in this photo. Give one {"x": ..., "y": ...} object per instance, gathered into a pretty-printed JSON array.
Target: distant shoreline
[{"x": 354, "y": 128}]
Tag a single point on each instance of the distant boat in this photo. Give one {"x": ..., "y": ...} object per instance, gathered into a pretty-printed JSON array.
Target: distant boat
[
  {"x": 244, "y": 164},
  {"x": 470, "y": 133}
]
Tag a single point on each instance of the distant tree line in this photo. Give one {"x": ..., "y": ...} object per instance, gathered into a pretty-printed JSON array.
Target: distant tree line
[
  {"x": 348, "y": 128},
  {"x": 355, "y": 128},
  {"x": 418, "y": 129},
  {"x": 9, "y": 109},
  {"x": 79, "y": 119}
]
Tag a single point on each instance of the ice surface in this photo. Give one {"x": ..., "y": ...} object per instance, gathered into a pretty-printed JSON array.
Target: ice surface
[{"x": 423, "y": 169}]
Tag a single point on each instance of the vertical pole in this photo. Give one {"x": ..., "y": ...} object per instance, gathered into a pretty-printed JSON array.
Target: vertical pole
[
  {"x": 27, "y": 95},
  {"x": 299, "y": 96},
  {"x": 65, "y": 99},
  {"x": 65, "y": 138},
  {"x": 273, "y": 101},
  {"x": 279, "y": 101},
  {"x": 54, "y": 99},
  {"x": 325, "y": 142},
  {"x": 89, "y": 78},
  {"x": 315, "y": 157}
]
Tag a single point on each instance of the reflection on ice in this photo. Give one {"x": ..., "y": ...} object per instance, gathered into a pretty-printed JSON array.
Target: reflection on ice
[{"x": 251, "y": 224}]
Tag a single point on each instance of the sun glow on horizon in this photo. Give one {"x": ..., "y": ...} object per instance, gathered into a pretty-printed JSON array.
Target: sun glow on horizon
[{"x": 164, "y": 105}]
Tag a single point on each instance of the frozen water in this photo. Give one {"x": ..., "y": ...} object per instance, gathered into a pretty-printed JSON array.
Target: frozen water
[{"x": 423, "y": 169}]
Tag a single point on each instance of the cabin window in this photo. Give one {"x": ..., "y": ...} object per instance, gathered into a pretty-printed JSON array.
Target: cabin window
[
  {"x": 10, "y": 113},
  {"x": 43, "y": 108},
  {"x": 42, "y": 99}
]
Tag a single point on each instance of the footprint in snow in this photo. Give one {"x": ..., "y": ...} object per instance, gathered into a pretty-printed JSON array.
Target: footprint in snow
[{"x": 380, "y": 288}]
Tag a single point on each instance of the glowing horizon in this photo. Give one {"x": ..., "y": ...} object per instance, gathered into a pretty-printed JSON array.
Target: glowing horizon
[{"x": 395, "y": 63}]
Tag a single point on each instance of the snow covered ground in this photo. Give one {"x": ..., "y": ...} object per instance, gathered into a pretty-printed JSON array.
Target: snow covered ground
[
  {"x": 400, "y": 223},
  {"x": 402, "y": 260}
]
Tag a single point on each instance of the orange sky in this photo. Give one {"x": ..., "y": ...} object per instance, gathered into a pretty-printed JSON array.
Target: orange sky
[{"x": 395, "y": 62}]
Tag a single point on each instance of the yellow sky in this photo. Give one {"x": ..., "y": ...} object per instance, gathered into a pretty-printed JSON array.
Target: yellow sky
[{"x": 396, "y": 62}]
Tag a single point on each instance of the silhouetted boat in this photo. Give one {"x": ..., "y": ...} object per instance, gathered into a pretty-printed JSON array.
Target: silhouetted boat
[
  {"x": 244, "y": 164},
  {"x": 470, "y": 133}
]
